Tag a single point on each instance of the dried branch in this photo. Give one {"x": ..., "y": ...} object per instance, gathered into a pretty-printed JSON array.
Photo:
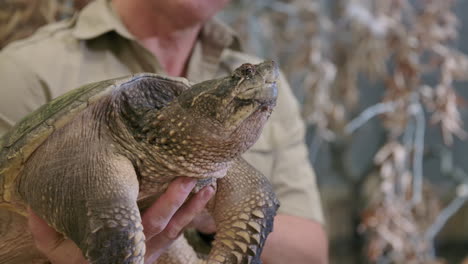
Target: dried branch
[
  {"x": 415, "y": 43},
  {"x": 369, "y": 113},
  {"x": 447, "y": 212},
  {"x": 418, "y": 153}
]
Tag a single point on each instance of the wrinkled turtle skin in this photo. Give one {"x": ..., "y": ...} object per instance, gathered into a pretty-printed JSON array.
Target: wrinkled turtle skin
[{"x": 91, "y": 160}]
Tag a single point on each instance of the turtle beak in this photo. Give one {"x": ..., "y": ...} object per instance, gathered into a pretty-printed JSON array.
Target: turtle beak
[
  {"x": 270, "y": 73},
  {"x": 267, "y": 74},
  {"x": 269, "y": 70}
]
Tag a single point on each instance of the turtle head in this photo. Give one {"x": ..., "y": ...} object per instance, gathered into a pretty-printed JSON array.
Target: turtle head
[
  {"x": 231, "y": 111},
  {"x": 242, "y": 101}
]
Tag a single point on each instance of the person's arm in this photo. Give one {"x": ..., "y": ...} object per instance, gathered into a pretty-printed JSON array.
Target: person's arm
[
  {"x": 162, "y": 223},
  {"x": 295, "y": 240}
]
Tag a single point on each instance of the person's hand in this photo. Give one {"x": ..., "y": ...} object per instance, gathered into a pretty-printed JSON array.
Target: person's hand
[
  {"x": 162, "y": 223},
  {"x": 204, "y": 222}
]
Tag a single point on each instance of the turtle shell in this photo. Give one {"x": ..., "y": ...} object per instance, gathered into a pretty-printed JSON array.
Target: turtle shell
[{"x": 27, "y": 135}]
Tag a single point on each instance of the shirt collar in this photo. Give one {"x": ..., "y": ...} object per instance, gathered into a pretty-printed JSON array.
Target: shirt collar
[
  {"x": 220, "y": 35},
  {"x": 214, "y": 38},
  {"x": 98, "y": 18}
]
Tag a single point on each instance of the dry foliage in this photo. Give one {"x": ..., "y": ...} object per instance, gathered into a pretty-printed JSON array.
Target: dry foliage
[
  {"x": 20, "y": 18},
  {"x": 402, "y": 44}
]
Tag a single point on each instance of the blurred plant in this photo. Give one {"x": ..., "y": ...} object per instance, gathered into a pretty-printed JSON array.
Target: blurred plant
[
  {"x": 20, "y": 18},
  {"x": 407, "y": 45},
  {"x": 414, "y": 40}
]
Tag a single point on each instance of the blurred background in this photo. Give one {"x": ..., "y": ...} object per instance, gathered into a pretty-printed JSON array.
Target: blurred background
[{"x": 382, "y": 86}]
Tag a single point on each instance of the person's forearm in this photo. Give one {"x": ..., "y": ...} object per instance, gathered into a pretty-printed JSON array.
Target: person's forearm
[{"x": 296, "y": 240}]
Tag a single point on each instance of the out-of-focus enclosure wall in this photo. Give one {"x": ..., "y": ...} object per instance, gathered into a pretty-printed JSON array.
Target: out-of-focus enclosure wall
[{"x": 381, "y": 83}]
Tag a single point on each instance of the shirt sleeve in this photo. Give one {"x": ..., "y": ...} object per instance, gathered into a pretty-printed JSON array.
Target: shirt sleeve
[
  {"x": 292, "y": 175},
  {"x": 21, "y": 91}
]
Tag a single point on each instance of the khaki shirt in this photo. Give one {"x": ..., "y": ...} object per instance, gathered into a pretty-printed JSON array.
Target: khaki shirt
[{"x": 95, "y": 45}]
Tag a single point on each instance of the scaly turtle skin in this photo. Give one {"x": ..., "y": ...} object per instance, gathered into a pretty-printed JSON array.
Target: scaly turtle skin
[{"x": 89, "y": 161}]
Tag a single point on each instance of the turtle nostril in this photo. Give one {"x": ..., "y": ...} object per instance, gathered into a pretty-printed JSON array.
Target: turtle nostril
[{"x": 247, "y": 70}]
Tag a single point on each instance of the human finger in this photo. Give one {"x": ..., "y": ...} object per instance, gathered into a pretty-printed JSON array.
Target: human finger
[
  {"x": 156, "y": 218},
  {"x": 204, "y": 222},
  {"x": 45, "y": 237},
  {"x": 52, "y": 244},
  {"x": 160, "y": 242},
  {"x": 188, "y": 212}
]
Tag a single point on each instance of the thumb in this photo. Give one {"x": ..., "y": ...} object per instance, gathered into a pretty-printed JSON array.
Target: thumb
[
  {"x": 45, "y": 237},
  {"x": 52, "y": 244}
]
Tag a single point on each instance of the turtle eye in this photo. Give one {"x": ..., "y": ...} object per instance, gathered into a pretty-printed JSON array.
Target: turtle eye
[{"x": 247, "y": 70}]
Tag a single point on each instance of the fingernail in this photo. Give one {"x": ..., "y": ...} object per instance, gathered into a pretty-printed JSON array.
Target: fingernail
[
  {"x": 188, "y": 183},
  {"x": 174, "y": 233},
  {"x": 208, "y": 191}
]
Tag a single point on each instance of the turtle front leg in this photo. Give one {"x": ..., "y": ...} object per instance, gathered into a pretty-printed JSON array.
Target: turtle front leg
[
  {"x": 244, "y": 208},
  {"x": 114, "y": 233},
  {"x": 90, "y": 199}
]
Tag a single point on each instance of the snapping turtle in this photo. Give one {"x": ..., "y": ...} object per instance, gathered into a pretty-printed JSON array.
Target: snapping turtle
[{"x": 89, "y": 161}]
